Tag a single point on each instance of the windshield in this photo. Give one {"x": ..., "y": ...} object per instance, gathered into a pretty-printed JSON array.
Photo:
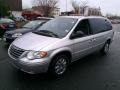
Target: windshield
[
  {"x": 33, "y": 24},
  {"x": 58, "y": 27}
]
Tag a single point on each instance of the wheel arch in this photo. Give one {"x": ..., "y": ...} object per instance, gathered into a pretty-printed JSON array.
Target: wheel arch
[
  {"x": 63, "y": 51},
  {"x": 109, "y": 40}
]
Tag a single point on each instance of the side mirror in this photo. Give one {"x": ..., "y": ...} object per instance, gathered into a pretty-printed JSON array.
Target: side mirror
[{"x": 77, "y": 34}]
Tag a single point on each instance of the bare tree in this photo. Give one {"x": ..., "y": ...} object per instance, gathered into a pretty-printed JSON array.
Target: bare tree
[
  {"x": 46, "y": 7},
  {"x": 81, "y": 5},
  {"x": 75, "y": 6}
]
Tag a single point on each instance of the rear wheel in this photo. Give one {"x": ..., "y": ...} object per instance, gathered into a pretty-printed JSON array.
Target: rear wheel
[
  {"x": 59, "y": 65},
  {"x": 106, "y": 48}
]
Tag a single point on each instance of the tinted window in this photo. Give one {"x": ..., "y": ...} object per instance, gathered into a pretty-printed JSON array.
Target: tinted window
[
  {"x": 108, "y": 25},
  {"x": 81, "y": 30},
  {"x": 98, "y": 25},
  {"x": 58, "y": 26},
  {"x": 83, "y": 26}
]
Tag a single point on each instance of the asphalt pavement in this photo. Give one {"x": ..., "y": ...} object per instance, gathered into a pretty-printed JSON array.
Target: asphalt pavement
[{"x": 94, "y": 72}]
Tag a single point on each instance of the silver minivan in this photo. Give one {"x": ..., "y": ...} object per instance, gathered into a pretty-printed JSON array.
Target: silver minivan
[{"x": 60, "y": 42}]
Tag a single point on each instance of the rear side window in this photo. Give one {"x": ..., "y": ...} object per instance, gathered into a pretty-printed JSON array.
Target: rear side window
[
  {"x": 99, "y": 25},
  {"x": 108, "y": 25}
]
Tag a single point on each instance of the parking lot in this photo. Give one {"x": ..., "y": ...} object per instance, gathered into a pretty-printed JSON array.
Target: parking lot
[{"x": 94, "y": 72}]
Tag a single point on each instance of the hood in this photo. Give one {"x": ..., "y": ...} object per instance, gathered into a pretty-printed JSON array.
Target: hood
[
  {"x": 32, "y": 41},
  {"x": 20, "y": 30}
]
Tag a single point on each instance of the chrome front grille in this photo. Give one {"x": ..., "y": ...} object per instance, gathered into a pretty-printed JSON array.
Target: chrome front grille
[{"x": 15, "y": 52}]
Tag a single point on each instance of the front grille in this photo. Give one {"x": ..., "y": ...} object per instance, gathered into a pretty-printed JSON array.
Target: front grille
[{"x": 15, "y": 52}]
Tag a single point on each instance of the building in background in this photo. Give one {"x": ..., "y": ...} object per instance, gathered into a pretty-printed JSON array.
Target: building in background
[
  {"x": 56, "y": 12},
  {"x": 89, "y": 11}
]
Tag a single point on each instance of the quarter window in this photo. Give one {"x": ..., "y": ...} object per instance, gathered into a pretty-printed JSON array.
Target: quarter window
[
  {"x": 108, "y": 25},
  {"x": 100, "y": 25}
]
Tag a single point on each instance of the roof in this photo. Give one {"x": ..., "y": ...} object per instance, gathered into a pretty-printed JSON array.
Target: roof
[{"x": 82, "y": 17}]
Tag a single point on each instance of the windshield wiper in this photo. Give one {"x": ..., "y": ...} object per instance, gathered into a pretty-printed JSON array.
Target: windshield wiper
[{"x": 47, "y": 33}]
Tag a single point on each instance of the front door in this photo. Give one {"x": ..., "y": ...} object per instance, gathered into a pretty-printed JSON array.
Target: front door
[{"x": 82, "y": 39}]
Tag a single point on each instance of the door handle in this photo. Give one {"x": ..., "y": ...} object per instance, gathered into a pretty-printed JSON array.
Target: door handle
[{"x": 92, "y": 40}]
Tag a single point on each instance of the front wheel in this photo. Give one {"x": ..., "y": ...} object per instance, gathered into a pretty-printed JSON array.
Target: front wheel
[{"x": 59, "y": 65}]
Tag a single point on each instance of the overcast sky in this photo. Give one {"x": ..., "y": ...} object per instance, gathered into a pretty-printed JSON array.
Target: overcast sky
[{"x": 107, "y": 6}]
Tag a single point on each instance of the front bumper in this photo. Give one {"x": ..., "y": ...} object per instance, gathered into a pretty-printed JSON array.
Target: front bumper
[{"x": 31, "y": 66}]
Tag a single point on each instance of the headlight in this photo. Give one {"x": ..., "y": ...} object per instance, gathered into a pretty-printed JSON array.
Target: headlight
[
  {"x": 36, "y": 55},
  {"x": 17, "y": 35}
]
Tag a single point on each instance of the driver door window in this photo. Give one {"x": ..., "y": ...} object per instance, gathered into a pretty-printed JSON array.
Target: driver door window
[{"x": 82, "y": 29}]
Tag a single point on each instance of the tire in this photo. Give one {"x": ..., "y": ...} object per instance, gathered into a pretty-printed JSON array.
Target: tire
[
  {"x": 106, "y": 48},
  {"x": 59, "y": 65}
]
